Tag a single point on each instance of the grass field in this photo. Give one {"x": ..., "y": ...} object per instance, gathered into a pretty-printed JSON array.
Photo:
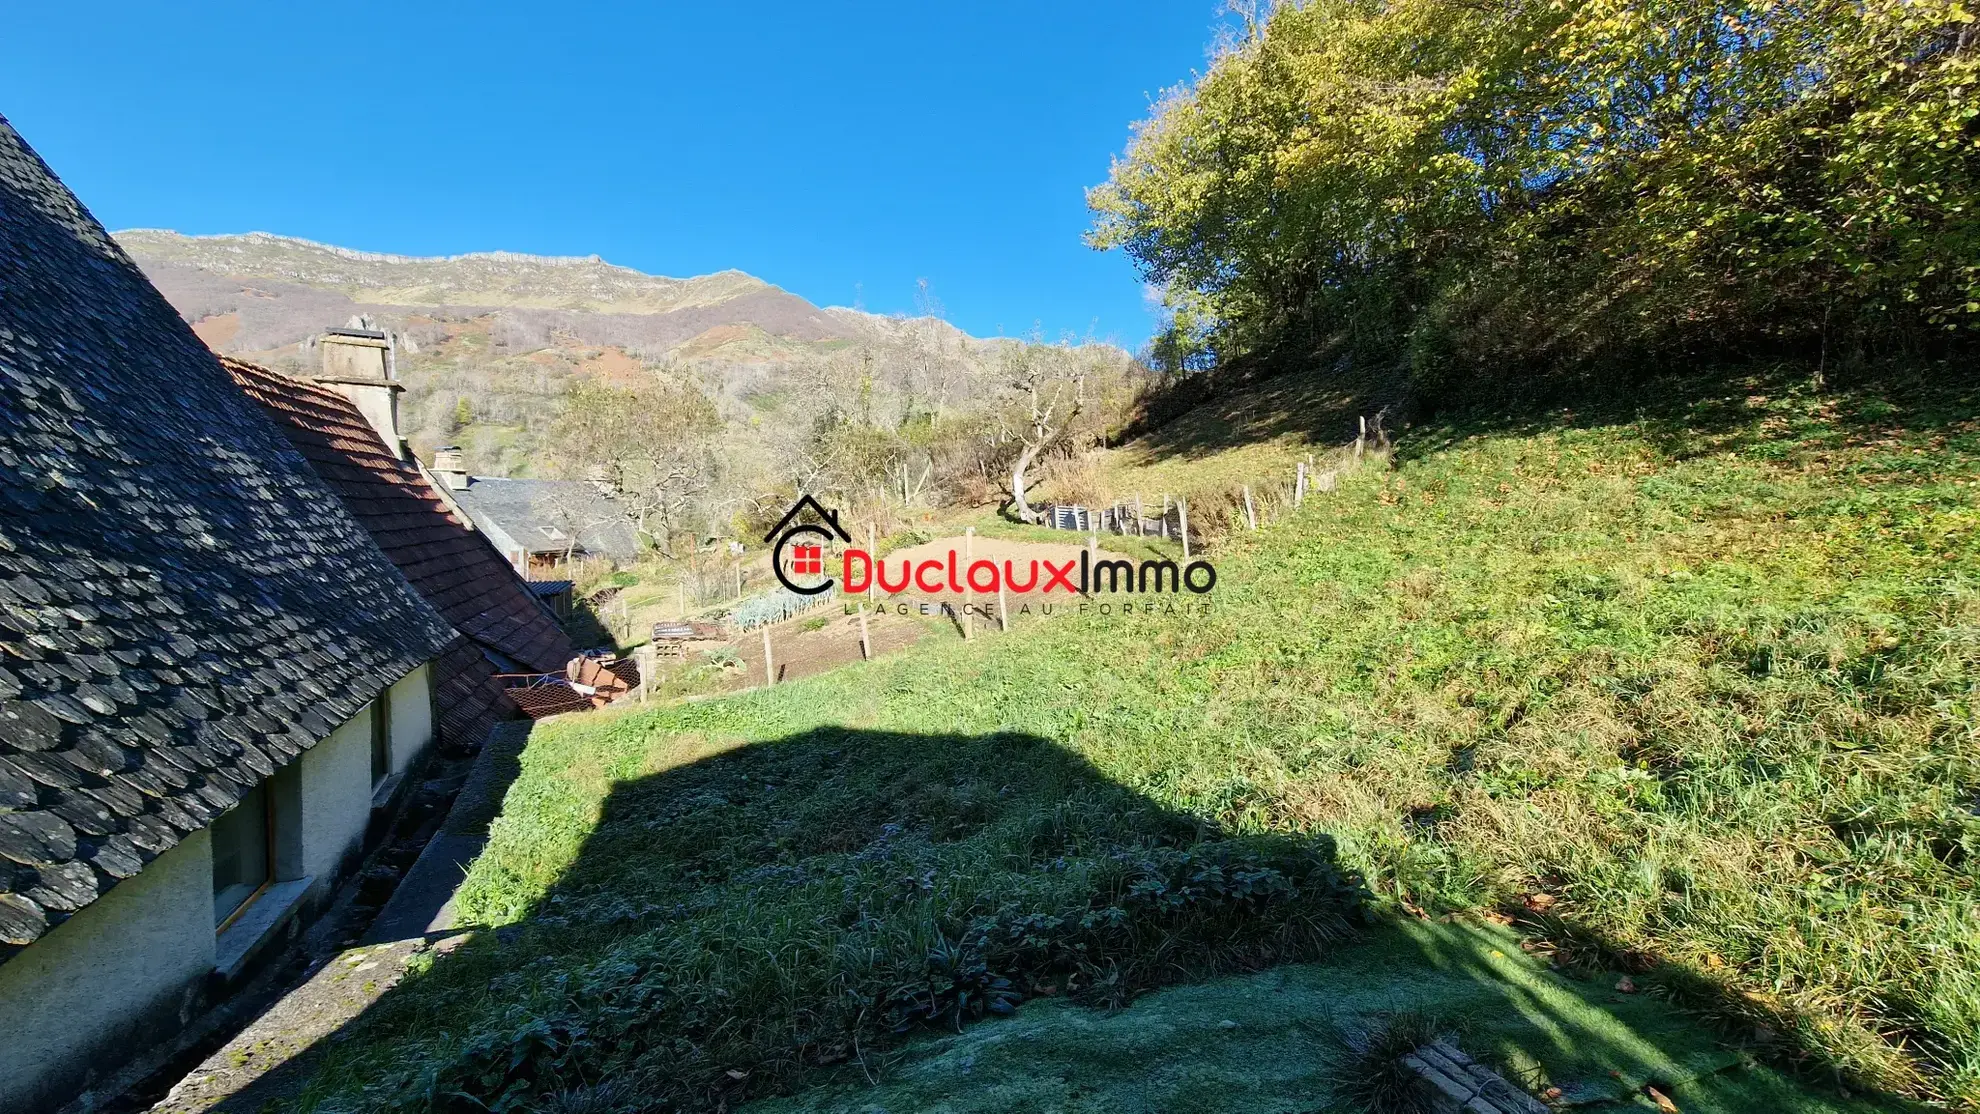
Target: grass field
[{"x": 1689, "y": 692}]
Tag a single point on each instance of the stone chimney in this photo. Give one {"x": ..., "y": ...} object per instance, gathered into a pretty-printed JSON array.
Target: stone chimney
[
  {"x": 360, "y": 363},
  {"x": 451, "y": 466}
]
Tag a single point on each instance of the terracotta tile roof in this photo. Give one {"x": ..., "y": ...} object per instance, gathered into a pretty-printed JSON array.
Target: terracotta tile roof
[
  {"x": 182, "y": 610},
  {"x": 455, "y": 568},
  {"x": 469, "y": 694}
]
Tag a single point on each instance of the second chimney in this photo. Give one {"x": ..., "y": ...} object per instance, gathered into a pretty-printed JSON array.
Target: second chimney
[
  {"x": 359, "y": 363},
  {"x": 450, "y": 464}
]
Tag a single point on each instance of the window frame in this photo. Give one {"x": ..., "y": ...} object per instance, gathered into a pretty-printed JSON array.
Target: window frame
[
  {"x": 269, "y": 851},
  {"x": 381, "y": 738}
]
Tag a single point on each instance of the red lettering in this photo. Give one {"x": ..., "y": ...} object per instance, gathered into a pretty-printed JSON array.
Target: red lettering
[
  {"x": 1010, "y": 579},
  {"x": 1061, "y": 576},
  {"x": 854, "y": 587},
  {"x": 890, "y": 589},
  {"x": 953, "y": 585},
  {"x": 986, "y": 566},
  {"x": 921, "y": 572}
]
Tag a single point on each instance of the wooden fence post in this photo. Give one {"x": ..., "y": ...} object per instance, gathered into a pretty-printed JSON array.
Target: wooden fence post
[
  {"x": 1250, "y": 516},
  {"x": 1299, "y": 486},
  {"x": 645, "y": 657},
  {"x": 1165, "y": 514},
  {"x": 769, "y": 667},
  {"x": 1361, "y": 439},
  {"x": 1003, "y": 608},
  {"x": 1182, "y": 525},
  {"x": 865, "y": 640},
  {"x": 873, "y": 554},
  {"x": 739, "y": 593}
]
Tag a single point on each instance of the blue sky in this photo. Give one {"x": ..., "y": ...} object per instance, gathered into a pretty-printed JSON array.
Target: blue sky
[{"x": 841, "y": 151}]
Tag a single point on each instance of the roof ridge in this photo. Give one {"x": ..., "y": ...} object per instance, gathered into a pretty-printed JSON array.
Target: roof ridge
[{"x": 261, "y": 371}]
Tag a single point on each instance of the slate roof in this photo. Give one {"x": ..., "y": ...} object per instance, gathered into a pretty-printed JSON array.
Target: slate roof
[
  {"x": 458, "y": 571},
  {"x": 528, "y": 510},
  {"x": 182, "y": 612}
]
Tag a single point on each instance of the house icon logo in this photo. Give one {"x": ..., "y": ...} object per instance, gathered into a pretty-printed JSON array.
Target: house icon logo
[{"x": 804, "y": 573}]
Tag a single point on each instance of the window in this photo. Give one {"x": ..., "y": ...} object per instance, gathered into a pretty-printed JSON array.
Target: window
[
  {"x": 381, "y": 738},
  {"x": 243, "y": 854},
  {"x": 807, "y": 560}
]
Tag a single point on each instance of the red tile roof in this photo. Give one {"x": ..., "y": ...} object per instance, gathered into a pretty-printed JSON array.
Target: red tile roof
[{"x": 455, "y": 568}]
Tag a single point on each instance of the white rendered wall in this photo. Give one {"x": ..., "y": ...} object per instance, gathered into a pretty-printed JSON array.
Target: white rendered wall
[
  {"x": 412, "y": 717},
  {"x": 123, "y": 973},
  {"x": 335, "y": 792},
  {"x": 127, "y": 972}
]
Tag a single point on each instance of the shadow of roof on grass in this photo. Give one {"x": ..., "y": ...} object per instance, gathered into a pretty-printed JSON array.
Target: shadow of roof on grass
[{"x": 741, "y": 922}]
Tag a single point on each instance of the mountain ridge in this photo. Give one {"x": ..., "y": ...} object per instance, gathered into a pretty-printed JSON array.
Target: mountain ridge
[
  {"x": 601, "y": 286},
  {"x": 491, "y": 344}
]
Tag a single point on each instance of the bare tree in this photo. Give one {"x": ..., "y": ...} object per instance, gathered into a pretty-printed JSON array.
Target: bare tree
[
  {"x": 1048, "y": 388},
  {"x": 652, "y": 449}
]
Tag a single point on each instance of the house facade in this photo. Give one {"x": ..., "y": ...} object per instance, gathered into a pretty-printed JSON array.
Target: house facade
[{"x": 210, "y": 673}]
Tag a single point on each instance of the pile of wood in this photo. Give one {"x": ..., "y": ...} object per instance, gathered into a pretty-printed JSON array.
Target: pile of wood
[
  {"x": 602, "y": 681},
  {"x": 586, "y": 683},
  {"x": 670, "y": 637}
]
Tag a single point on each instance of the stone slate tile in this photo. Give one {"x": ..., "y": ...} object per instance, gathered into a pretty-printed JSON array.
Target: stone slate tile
[{"x": 168, "y": 562}]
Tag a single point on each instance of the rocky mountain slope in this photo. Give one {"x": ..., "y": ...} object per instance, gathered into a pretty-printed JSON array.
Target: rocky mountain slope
[
  {"x": 490, "y": 341},
  {"x": 258, "y": 293}
]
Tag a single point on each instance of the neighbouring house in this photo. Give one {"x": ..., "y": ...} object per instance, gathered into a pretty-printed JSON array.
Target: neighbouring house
[
  {"x": 345, "y": 424},
  {"x": 209, "y": 671},
  {"x": 540, "y": 526}
]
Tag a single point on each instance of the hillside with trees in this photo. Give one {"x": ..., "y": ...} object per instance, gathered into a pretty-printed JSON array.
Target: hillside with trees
[
  {"x": 711, "y": 402},
  {"x": 1463, "y": 197}
]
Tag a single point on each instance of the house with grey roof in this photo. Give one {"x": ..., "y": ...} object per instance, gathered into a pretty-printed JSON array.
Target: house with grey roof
[
  {"x": 209, "y": 672},
  {"x": 541, "y": 526}
]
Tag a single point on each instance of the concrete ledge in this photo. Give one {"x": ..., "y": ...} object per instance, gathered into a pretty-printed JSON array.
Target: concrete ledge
[
  {"x": 259, "y": 925},
  {"x": 383, "y": 793},
  {"x": 424, "y": 901}
]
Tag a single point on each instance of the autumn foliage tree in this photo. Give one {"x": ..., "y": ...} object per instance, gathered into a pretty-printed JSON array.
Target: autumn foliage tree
[
  {"x": 654, "y": 448},
  {"x": 1482, "y": 191}
]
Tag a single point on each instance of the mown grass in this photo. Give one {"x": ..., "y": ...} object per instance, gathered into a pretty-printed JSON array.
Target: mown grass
[{"x": 1694, "y": 692}]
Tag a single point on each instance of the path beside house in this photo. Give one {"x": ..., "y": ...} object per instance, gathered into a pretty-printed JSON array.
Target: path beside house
[{"x": 274, "y": 1055}]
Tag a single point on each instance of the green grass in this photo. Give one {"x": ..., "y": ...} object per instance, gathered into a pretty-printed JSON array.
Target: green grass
[
  {"x": 1322, "y": 1038},
  {"x": 1690, "y": 693}
]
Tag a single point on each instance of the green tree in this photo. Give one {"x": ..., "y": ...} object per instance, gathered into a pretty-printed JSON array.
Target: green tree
[{"x": 1479, "y": 190}]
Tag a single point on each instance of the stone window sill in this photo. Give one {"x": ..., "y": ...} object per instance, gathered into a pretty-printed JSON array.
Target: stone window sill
[{"x": 258, "y": 923}]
